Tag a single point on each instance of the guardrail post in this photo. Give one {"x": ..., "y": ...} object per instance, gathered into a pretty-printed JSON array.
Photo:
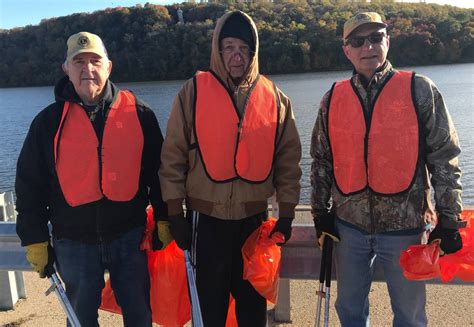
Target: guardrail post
[
  {"x": 7, "y": 207},
  {"x": 283, "y": 308},
  {"x": 8, "y": 286},
  {"x": 20, "y": 285}
]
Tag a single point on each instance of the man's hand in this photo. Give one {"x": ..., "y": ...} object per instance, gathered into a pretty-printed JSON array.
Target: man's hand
[
  {"x": 41, "y": 258},
  {"x": 181, "y": 231},
  {"x": 164, "y": 234},
  {"x": 283, "y": 225},
  {"x": 325, "y": 225},
  {"x": 450, "y": 240}
]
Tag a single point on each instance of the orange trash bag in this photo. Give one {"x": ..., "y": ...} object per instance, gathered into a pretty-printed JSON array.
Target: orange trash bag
[
  {"x": 461, "y": 263},
  {"x": 231, "y": 317},
  {"x": 108, "y": 300},
  {"x": 421, "y": 262},
  {"x": 169, "y": 298},
  {"x": 261, "y": 258}
]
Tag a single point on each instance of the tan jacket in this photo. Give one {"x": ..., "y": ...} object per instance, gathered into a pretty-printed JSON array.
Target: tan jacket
[{"x": 183, "y": 177}]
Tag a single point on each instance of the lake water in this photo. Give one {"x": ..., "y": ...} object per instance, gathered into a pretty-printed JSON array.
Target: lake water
[{"x": 18, "y": 106}]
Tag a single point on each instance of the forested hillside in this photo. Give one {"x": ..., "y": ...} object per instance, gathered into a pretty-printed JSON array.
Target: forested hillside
[{"x": 146, "y": 43}]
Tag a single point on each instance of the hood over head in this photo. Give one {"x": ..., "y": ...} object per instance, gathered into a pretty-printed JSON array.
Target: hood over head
[
  {"x": 232, "y": 24},
  {"x": 238, "y": 27}
]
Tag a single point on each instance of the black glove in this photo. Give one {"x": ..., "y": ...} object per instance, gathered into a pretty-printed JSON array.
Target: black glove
[
  {"x": 283, "y": 225},
  {"x": 49, "y": 269},
  {"x": 325, "y": 225},
  {"x": 450, "y": 240},
  {"x": 181, "y": 230}
]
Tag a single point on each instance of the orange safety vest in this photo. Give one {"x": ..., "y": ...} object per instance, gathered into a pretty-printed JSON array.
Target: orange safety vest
[
  {"x": 87, "y": 170},
  {"x": 231, "y": 146},
  {"x": 380, "y": 152}
]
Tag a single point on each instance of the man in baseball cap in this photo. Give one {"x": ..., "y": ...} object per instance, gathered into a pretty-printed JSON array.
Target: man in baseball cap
[
  {"x": 89, "y": 165},
  {"x": 84, "y": 48},
  {"x": 366, "y": 26},
  {"x": 372, "y": 197}
]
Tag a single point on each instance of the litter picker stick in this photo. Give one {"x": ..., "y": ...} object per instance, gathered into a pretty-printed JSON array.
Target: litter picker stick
[
  {"x": 328, "y": 279},
  {"x": 57, "y": 287},
  {"x": 196, "y": 308},
  {"x": 322, "y": 275}
]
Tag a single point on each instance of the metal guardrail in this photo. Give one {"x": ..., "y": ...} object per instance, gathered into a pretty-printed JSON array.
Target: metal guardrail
[
  {"x": 300, "y": 258},
  {"x": 12, "y": 255},
  {"x": 7, "y": 207}
]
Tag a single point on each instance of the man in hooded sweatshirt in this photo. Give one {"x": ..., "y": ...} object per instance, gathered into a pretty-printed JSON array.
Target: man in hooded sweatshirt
[
  {"x": 231, "y": 143},
  {"x": 89, "y": 165}
]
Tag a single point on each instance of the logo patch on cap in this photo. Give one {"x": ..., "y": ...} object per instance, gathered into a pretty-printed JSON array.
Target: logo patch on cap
[
  {"x": 83, "y": 41},
  {"x": 362, "y": 17}
]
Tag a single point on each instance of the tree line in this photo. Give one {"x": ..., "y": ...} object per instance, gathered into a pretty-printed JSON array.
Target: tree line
[{"x": 147, "y": 43}]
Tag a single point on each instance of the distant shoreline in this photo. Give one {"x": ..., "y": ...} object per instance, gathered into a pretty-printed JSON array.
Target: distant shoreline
[
  {"x": 150, "y": 43},
  {"x": 301, "y": 73}
]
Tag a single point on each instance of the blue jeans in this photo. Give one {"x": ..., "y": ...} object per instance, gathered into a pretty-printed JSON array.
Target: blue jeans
[
  {"x": 81, "y": 267},
  {"x": 355, "y": 258}
]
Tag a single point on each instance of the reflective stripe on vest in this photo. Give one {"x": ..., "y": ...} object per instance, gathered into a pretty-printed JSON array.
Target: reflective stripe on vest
[
  {"x": 76, "y": 153},
  {"x": 389, "y": 146},
  {"x": 227, "y": 151}
]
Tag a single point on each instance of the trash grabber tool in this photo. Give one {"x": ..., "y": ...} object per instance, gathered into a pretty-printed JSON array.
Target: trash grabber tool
[
  {"x": 322, "y": 275},
  {"x": 196, "y": 308},
  {"x": 327, "y": 291},
  {"x": 57, "y": 287}
]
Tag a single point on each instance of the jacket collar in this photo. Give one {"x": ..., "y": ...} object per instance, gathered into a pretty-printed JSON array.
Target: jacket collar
[{"x": 379, "y": 76}]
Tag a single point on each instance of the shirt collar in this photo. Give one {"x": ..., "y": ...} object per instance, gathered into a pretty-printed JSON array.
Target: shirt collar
[{"x": 379, "y": 75}]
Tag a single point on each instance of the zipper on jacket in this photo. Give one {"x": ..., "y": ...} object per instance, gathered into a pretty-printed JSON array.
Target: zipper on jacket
[
  {"x": 99, "y": 156},
  {"x": 247, "y": 98},
  {"x": 368, "y": 121},
  {"x": 97, "y": 216},
  {"x": 231, "y": 195}
]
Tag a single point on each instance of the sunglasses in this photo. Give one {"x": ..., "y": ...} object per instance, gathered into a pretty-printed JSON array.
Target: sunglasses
[{"x": 358, "y": 41}]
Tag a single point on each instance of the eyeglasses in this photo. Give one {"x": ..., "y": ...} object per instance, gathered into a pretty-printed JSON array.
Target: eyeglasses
[
  {"x": 232, "y": 50},
  {"x": 358, "y": 41}
]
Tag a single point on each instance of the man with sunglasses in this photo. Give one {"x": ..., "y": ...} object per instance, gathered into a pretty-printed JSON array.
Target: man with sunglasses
[
  {"x": 231, "y": 143},
  {"x": 380, "y": 139}
]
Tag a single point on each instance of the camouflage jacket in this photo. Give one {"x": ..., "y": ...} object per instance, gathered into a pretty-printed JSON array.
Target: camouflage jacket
[{"x": 375, "y": 213}]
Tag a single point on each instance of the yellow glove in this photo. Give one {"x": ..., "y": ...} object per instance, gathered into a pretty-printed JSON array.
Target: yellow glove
[
  {"x": 164, "y": 234},
  {"x": 37, "y": 256}
]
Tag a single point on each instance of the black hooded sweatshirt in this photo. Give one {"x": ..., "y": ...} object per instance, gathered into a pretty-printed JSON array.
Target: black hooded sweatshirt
[{"x": 39, "y": 196}]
